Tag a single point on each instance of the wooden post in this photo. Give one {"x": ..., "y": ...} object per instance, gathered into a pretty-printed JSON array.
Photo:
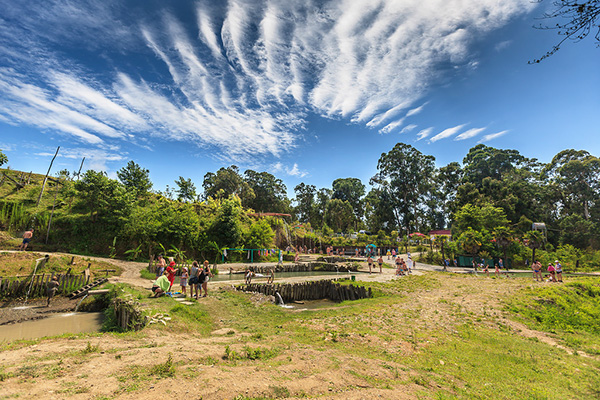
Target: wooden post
[
  {"x": 51, "y": 215},
  {"x": 46, "y": 177},
  {"x": 81, "y": 166}
]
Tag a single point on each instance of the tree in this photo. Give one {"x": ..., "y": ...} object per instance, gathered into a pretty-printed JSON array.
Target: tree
[
  {"x": 227, "y": 182},
  {"x": 226, "y": 230},
  {"x": 3, "y": 158},
  {"x": 186, "y": 189},
  {"x": 102, "y": 196},
  {"x": 323, "y": 196},
  {"x": 351, "y": 190},
  {"x": 448, "y": 179},
  {"x": 407, "y": 175},
  {"x": 135, "y": 179},
  {"x": 577, "y": 176},
  {"x": 578, "y": 18},
  {"x": 483, "y": 161},
  {"x": 503, "y": 237},
  {"x": 270, "y": 192},
  {"x": 338, "y": 215},
  {"x": 261, "y": 235},
  {"x": 470, "y": 241},
  {"x": 305, "y": 201},
  {"x": 534, "y": 240},
  {"x": 486, "y": 218}
]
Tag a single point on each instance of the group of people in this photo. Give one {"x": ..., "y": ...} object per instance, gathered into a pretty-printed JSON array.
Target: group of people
[
  {"x": 197, "y": 278},
  {"x": 404, "y": 267},
  {"x": 555, "y": 272}
]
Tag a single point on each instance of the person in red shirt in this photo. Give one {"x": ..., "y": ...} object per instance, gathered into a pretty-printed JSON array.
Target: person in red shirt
[
  {"x": 552, "y": 271},
  {"x": 171, "y": 273}
]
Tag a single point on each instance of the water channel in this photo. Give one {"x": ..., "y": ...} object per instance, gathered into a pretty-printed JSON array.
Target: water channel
[
  {"x": 224, "y": 276},
  {"x": 51, "y": 326}
]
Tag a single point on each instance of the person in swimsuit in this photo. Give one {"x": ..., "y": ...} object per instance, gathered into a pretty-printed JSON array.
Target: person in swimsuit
[
  {"x": 380, "y": 262},
  {"x": 398, "y": 266},
  {"x": 207, "y": 276},
  {"x": 26, "y": 239},
  {"x": 184, "y": 280},
  {"x": 370, "y": 262},
  {"x": 160, "y": 266},
  {"x": 193, "y": 280},
  {"x": 558, "y": 269}
]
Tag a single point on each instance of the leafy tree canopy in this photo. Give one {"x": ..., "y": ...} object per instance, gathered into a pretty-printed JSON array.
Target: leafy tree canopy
[
  {"x": 135, "y": 179},
  {"x": 186, "y": 190}
]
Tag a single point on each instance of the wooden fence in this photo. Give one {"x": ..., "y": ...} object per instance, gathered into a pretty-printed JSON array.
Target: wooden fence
[
  {"x": 18, "y": 286},
  {"x": 314, "y": 290}
]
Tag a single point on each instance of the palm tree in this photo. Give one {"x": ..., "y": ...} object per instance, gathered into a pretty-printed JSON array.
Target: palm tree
[
  {"x": 503, "y": 237},
  {"x": 534, "y": 240}
]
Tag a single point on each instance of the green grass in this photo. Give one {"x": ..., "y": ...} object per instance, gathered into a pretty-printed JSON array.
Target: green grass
[
  {"x": 144, "y": 273},
  {"x": 487, "y": 364},
  {"x": 571, "y": 311}
]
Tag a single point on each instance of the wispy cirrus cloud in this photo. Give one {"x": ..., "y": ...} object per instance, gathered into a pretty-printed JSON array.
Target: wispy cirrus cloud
[
  {"x": 424, "y": 133},
  {"x": 469, "y": 134},
  {"x": 446, "y": 133},
  {"x": 241, "y": 77},
  {"x": 492, "y": 136}
]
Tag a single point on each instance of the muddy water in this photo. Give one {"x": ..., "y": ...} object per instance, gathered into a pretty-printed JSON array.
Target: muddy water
[{"x": 52, "y": 326}]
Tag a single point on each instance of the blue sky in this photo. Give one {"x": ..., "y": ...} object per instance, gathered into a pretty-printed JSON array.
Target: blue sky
[{"x": 310, "y": 91}]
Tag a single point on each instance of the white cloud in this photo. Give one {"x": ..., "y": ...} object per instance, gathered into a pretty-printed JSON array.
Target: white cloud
[
  {"x": 408, "y": 128},
  {"x": 424, "y": 133},
  {"x": 95, "y": 159},
  {"x": 295, "y": 171},
  {"x": 469, "y": 134},
  {"x": 242, "y": 77},
  {"x": 416, "y": 110},
  {"x": 492, "y": 136},
  {"x": 446, "y": 133}
]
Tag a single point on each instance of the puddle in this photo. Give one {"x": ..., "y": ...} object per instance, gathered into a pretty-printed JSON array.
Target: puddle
[
  {"x": 310, "y": 305},
  {"x": 52, "y": 326}
]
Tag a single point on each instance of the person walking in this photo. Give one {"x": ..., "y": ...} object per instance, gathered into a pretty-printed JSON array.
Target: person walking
[
  {"x": 26, "y": 239},
  {"x": 380, "y": 262},
  {"x": 370, "y": 262}
]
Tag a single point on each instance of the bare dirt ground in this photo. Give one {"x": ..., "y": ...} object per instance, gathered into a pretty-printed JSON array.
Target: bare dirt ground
[{"x": 63, "y": 368}]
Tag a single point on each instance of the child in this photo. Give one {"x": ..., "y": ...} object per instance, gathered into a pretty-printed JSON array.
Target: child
[
  {"x": 271, "y": 276},
  {"x": 184, "y": 280}
]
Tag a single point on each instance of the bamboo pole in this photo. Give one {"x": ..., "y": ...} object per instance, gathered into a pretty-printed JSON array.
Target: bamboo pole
[{"x": 46, "y": 177}]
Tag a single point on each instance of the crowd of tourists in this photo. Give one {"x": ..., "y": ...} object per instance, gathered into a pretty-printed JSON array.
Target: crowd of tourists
[{"x": 196, "y": 278}]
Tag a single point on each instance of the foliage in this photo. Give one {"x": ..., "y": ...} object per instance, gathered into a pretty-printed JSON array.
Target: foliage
[
  {"x": 339, "y": 215},
  {"x": 227, "y": 182},
  {"x": 226, "y": 230},
  {"x": 269, "y": 192},
  {"x": 260, "y": 236},
  {"x": 407, "y": 175},
  {"x": 3, "y": 158},
  {"x": 351, "y": 190},
  {"x": 186, "y": 190},
  {"x": 135, "y": 179}
]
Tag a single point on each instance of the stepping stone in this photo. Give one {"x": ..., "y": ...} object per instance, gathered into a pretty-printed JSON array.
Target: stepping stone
[{"x": 187, "y": 303}]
